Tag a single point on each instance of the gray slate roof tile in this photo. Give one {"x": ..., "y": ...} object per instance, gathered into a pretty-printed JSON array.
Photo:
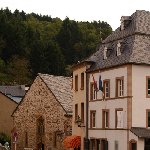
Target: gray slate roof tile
[
  {"x": 135, "y": 44},
  {"x": 141, "y": 132},
  {"x": 16, "y": 91},
  {"x": 61, "y": 88}
]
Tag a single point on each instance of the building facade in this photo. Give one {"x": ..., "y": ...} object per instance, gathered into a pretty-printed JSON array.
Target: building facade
[
  {"x": 43, "y": 118},
  {"x": 118, "y": 83},
  {"x": 7, "y": 106}
]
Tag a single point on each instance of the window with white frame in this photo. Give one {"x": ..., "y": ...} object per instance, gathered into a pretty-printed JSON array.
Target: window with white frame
[
  {"x": 105, "y": 53},
  {"x": 93, "y": 92},
  {"x": 118, "y": 49},
  {"x": 120, "y": 87},
  {"x": 106, "y": 88},
  {"x": 105, "y": 118},
  {"x": 119, "y": 118},
  {"x": 93, "y": 118}
]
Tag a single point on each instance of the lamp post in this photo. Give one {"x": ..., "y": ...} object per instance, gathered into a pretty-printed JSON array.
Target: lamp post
[{"x": 79, "y": 122}]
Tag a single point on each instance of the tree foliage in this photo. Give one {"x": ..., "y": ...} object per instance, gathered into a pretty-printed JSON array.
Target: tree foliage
[{"x": 32, "y": 43}]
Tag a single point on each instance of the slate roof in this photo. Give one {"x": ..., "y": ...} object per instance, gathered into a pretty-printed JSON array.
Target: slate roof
[
  {"x": 135, "y": 44},
  {"x": 140, "y": 23},
  {"x": 141, "y": 132},
  {"x": 16, "y": 91},
  {"x": 61, "y": 88}
]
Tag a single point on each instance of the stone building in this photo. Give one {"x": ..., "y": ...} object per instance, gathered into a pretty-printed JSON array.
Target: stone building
[
  {"x": 7, "y": 106},
  {"x": 43, "y": 117}
]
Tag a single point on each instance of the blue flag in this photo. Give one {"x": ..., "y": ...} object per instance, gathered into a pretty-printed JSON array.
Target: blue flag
[{"x": 100, "y": 84}]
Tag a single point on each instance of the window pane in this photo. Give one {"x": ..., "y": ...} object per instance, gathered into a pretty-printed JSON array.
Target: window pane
[
  {"x": 148, "y": 119},
  {"x": 76, "y": 112},
  {"x": 94, "y": 119},
  {"x": 82, "y": 112},
  {"x": 76, "y": 83},
  {"x": 119, "y": 119},
  {"x": 82, "y": 80},
  {"x": 149, "y": 81}
]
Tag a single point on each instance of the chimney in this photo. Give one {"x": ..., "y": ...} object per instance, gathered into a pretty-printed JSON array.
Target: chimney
[{"x": 125, "y": 20}]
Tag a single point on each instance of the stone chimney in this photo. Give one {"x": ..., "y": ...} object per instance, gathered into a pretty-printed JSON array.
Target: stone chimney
[{"x": 125, "y": 20}]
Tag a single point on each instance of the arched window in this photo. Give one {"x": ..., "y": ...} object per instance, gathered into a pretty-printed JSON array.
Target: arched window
[
  {"x": 133, "y": 145},
  {"x": 40, "y": 125}
]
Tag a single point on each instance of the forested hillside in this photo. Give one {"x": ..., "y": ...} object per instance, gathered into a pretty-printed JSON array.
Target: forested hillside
[{"x": 32, "y": 43}]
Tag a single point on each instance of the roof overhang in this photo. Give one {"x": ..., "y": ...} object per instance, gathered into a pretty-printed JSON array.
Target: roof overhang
[{"x": 141, "y": 132}]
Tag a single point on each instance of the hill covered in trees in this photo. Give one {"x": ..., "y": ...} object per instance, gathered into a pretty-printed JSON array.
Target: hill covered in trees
[{"x": 32, "y": 43}]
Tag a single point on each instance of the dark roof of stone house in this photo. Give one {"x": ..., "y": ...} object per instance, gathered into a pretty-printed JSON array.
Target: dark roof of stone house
[
  {"x": 135, "y": 44},
  {"x": 61, "y": 87},
  {"x": 141, "y": 132},
  {"x": 15, "y": 91}
]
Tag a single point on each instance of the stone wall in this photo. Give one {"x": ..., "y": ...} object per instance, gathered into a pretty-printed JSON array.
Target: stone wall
[{"x": 40, "y": 101}]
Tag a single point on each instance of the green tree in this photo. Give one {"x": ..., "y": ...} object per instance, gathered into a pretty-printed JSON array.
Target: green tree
[{"x": 4, "y": 138}]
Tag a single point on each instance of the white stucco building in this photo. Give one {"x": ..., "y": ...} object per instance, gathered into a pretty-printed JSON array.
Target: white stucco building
[{"x": 119, "y": 110}]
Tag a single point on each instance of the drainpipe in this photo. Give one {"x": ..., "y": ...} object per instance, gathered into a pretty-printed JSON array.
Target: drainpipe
[{"x": 86, "y": 140}]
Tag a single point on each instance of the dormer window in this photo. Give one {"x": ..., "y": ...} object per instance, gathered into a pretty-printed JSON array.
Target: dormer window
[
  {"x": 105, "y": 53},
  {"x": 118, "y": 49},
  {"x": 125, "y": 21}
]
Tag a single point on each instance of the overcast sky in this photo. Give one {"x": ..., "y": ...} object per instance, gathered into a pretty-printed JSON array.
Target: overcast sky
[{"x": 109, "y": 11}]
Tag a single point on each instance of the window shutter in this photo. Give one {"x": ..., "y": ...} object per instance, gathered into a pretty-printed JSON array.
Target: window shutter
[{"x": 119, "y": 119}]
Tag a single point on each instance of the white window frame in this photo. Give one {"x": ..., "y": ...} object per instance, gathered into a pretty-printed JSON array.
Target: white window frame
[
  {"x": 120, "y": 85},
  {"x": 93, "y": 118},
  {"x": 106, "y": 119},
  {"x": 120, "y": 119},
  {"x": 94, "y": 92}
]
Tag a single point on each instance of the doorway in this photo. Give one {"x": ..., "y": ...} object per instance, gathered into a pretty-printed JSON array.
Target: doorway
[
  {"x": 40, "y": 146},
  {"x": 133, "y": 145},
  {"x": 147, "y": 144}
]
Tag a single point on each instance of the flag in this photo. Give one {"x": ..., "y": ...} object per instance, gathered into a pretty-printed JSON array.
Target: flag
[
  {"x": 95, "y": 83},
  {"x": 100, "y": 84}
]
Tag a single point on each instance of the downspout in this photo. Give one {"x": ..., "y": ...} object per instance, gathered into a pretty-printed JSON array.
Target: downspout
[{"x": 86, "y": 140}]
